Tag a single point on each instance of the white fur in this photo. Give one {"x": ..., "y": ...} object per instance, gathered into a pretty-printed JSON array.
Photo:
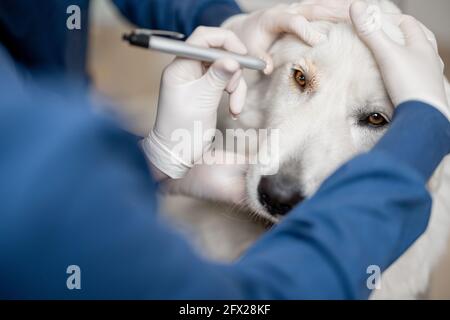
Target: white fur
[{"x": 319, "y": 130}]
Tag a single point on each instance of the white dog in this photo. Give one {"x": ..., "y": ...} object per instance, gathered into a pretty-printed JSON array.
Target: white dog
[{"x": 329, "y": 104}]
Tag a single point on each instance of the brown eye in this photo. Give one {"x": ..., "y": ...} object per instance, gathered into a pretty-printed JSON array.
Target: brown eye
[
  {"x": 376, "y": 120},
  {"x": 300, "y": 78}
]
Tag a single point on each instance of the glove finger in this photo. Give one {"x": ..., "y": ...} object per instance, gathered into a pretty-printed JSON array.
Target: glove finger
[
  {"x": 217, "y": 38},
  {"x": 293, "y": 24},
  {"x": 430, "y": 36},
  {"x": 412, "y": 31},
  {"x": 238, "y": 97},
  {"x": 220, "y": 73},
  {"x": 338, "y": 13},
  {"x": 417, "y": 33},
  {"x": 267, "y": 58},
  {"x": 368, "y": 24},
  {"x": 330, "y": 3},
  {"x": 432, "y": 39},
  {"x": 298, "y": 25},
  {"x": 234, "y": 82},
  {"x": 401, "y": 21}
]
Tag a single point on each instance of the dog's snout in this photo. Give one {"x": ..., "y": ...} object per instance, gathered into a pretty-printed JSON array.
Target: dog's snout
[{"x": 279, "y": 194}]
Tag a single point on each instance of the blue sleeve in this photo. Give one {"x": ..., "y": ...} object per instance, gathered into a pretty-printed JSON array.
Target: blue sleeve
[
  {"x": 177, "y": 15},
  {"x": 75, "y": 191}
]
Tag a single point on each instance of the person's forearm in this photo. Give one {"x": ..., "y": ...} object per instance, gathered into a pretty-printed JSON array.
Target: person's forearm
[{"x": 182, "y": 16}]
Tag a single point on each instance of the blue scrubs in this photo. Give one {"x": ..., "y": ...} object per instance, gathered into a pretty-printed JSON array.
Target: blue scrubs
[
  {"x": 75, "y": 190},
  {"x": 36, "y": 35}
]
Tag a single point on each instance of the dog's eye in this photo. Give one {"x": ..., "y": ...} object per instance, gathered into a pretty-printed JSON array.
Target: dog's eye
[
  {"x": 300, "y": 78},
  {"x": 376, "y": 120}
]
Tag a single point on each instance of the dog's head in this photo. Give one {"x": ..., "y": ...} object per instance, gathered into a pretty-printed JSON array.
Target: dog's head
[{"x": 329, "y": 104}]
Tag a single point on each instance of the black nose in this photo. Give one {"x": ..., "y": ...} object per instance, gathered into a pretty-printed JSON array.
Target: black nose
[{"x": 279, "y": 194}]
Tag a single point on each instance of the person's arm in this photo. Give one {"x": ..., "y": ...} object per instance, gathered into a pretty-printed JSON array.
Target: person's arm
[{"x": 182, "y": 16}]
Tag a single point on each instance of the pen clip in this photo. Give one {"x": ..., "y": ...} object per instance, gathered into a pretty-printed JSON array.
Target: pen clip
[{"x": 161, "y": 33}]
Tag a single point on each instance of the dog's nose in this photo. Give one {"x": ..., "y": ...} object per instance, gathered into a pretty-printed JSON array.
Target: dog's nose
[{"x": 279, "y": 194}]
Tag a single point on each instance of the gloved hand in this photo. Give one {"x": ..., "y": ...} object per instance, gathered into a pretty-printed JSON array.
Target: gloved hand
[
  {"x": 188, "y": 103},
  {"x": 413, "y": 71},
  {"x": 260, "y": 29}
]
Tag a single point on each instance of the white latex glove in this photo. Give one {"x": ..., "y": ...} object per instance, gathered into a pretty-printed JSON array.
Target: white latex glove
[
  {"x": 413, "y": 71},
  {"x": 189, "y": 97},
  {"x": 260, "y": 29}
]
